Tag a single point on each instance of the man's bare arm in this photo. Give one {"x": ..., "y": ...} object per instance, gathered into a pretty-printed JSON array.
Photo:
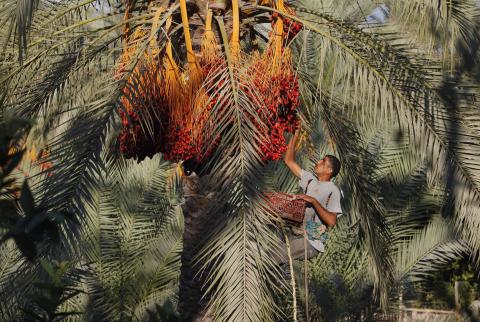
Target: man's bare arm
[
  {"x": 289, "y": 157},
  {"x": 329, "y": 218}
]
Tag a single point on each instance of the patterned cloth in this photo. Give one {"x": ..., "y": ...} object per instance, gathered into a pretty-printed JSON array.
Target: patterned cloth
[{"x": 316, "y": 231}]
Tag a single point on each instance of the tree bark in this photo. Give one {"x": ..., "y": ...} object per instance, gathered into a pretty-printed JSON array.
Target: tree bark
[{"x": 191, "y": 305}]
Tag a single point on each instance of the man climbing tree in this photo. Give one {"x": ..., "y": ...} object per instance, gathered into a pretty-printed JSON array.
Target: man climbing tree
[{"x": 322, "y": 197}]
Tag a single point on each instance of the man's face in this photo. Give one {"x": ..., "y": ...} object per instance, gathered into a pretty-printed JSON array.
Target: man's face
[{"x": 323, "y": 167}]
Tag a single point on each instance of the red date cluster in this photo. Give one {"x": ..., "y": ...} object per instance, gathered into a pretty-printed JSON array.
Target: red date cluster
[
  {"x": 280, "y": 98},
  {"x": 181, "y": 143},
  {"x": 282, "y": 102},
  {"x": 171, "y": 137},
  {"x": 276, "y": 91}
]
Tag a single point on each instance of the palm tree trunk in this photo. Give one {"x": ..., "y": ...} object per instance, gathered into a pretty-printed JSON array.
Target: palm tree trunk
[{"x": 191, "y": 306}]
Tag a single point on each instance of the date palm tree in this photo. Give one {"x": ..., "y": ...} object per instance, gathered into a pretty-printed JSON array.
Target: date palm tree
[{"x": 415, "y": 73}]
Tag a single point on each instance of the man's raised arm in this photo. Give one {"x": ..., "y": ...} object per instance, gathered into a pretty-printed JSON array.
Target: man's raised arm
[{"x": 289, "y": 157}]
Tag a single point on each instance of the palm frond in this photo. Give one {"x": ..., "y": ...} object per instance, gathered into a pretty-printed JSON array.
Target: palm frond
[
  {"x": 17, "y": 16},
  {"x": 134, "y": 241},
  {"x": 428, "y": 251},
  {"x": 359, "y": 164},
  {"x": 353, "y": 11},
  {"x": 238, "y": 254},
  {"x": 11, "y": 260},
  {"x": 407, "y": 94},
  {"x": 80, "y": 127},
  {"x": 442, "y": 28}
]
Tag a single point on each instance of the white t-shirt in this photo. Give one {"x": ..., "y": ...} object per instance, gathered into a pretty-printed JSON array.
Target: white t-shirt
[{"x": 320, "y": 190}]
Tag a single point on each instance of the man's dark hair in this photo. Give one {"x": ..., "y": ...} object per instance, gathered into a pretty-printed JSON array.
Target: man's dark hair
[{"x": 334, "y": 164}]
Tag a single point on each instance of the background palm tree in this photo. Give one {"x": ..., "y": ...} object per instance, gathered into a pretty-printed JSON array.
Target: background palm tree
[
  {"x": 129, "y": 259},
  {"x": 355, "y": 79}
]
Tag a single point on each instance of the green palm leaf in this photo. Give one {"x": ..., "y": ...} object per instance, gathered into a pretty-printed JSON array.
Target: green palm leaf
[
  {"x": 238, "y": 255},
  {"x": 428, "y": 251},
  {"x": 133, "y": 242}
]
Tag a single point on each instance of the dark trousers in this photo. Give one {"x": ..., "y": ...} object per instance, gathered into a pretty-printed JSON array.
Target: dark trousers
[{"x": 297, "y": 249}]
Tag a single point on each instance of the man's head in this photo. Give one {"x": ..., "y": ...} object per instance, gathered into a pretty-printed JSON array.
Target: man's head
[{"x": 328, "y": 167}]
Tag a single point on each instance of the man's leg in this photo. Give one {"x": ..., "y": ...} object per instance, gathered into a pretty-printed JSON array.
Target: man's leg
[{"x": 297, "y": 250}]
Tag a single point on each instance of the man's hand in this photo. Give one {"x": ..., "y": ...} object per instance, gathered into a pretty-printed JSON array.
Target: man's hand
[{"x": 305, "y": 197}]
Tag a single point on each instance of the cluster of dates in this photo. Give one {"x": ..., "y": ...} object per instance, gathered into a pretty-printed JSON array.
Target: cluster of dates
[
  {"x": 281, "y": 98},
  {"x": 172, "y": 137},
  {"x": 277, "y": 94},
  {"x": 185, "y": 140}
]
